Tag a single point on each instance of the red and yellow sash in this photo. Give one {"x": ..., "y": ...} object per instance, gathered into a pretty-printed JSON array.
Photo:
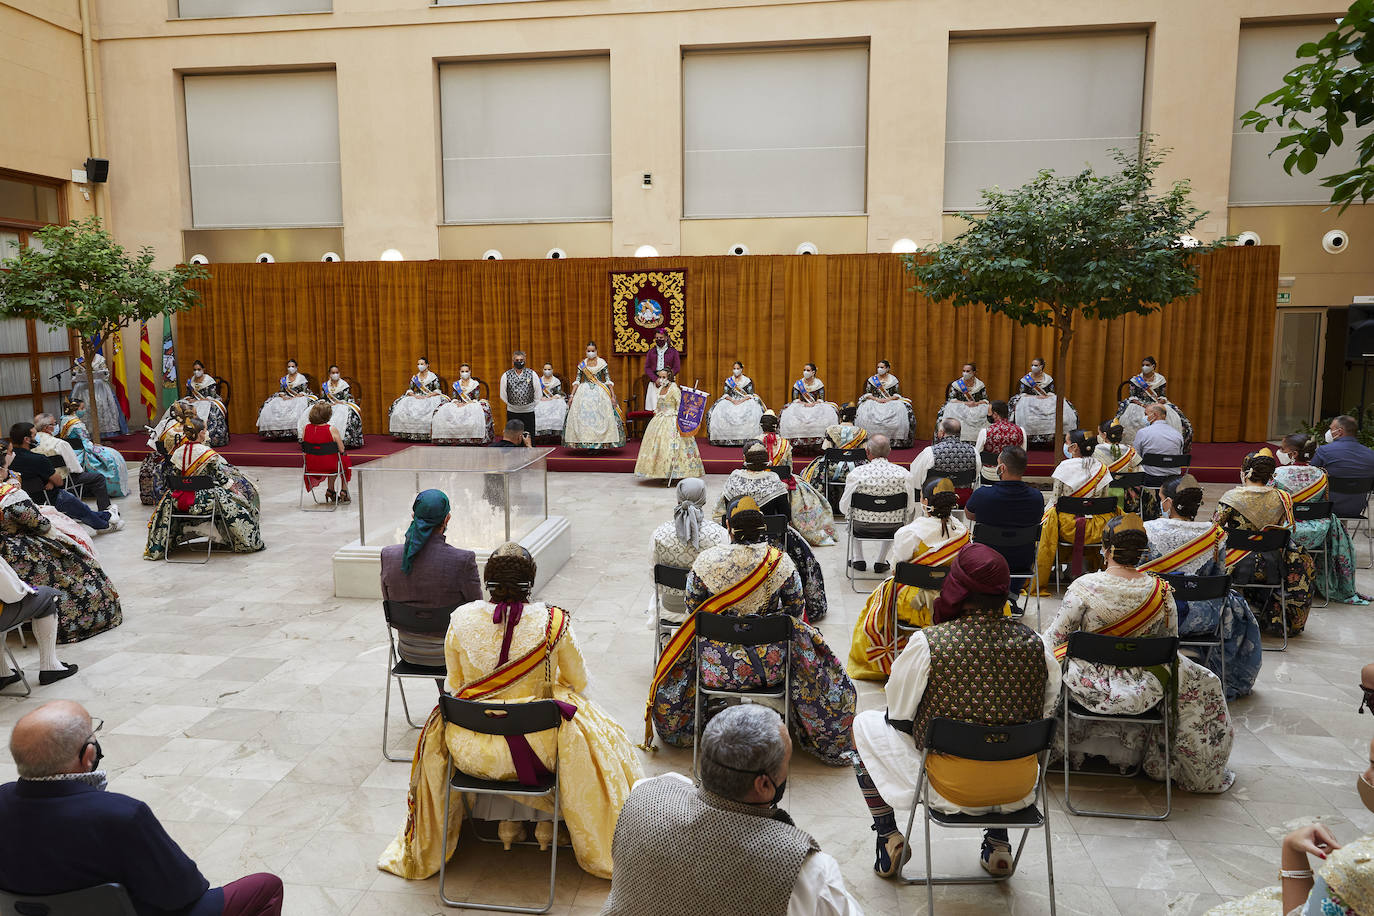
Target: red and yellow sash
[
  {"x": 778, "y": 448},
  {"x": 882, "y": 645},
  {"x": 1133, "y": 622},
  {"x": 1092, "y": 482},
  {"x": 590, "y": 376},
  {"x": 7, "y": 489},
  {"x": 68, "y": 424},
  {"x": 1207, "y": 542},
  {"x": 192, "y": 467},
  {"x": 1311, "y": 491},
  {"x": 1123, "y": 461},
  {"x": 686, "y": 633},
  {"x": 517, "y": 668}
]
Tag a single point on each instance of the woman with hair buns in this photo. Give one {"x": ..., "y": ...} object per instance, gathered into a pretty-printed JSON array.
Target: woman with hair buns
[
  {"x": 514, "y": 650},
  {"x": 202, "y": 391},
  {"x": 1082, "y": 476},
  {"x": 168, "y": 432},
  {"x": 1124, "y": 459},
  {"x": 811, "y": 514},
  {"x": 1180, "y": 544},
  {"x": 1123, "y": 601},
  {"x": 1256, "y": 506},
  {"x": 934, "y": 538},
  {"x": 1305, "y": 483},
  {"x": 883, "y": 410},
  {"x": 828, "y": 478},
  {"x": 101, "y": 459},
  {"x": 733, "y": 420},
  {"x": 233, "y": 498},
  {"x": 665, "y": 452}
]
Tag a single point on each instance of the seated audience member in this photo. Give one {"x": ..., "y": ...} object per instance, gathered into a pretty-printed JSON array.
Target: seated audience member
[
  {"x": 811, "y": 514},
  {"x": 680, "y": 849},
  {"x": 1009, "y": 503},
  {"x": 427, "y": 571},
  {"x": 45, "y": 548},
  {"x": 1342, "y": 455},
  {"x": 43, "y": 483},
  {"x": 1082, "y": 476},
  {"x": 1120, "y": 458},
  {"x": 757, "y": 481},
  {"x": 513, "y": 436},
  {"x": 879, "y": 477},
  {"x": 46, "y": 442},
  {"x": 38, "y": 608},
  {"x": 974, "y": 664},
  {"x": 1334, "y": 572},
  {"x": 512, "y": 649},
  {"x": 319, "y": 468},
  {"x": 947, "y": 456},
  {"x": 1159, "y": 438},
  {"x": 67, "y": 832},
  {"x": 678, "y": 542},
  {"x": 98, "y": 459},
  {"x": 748, "y": 577},
  {"x": 1123, "y": 601},
  {"x": 828, "y": 477},
  {"x": 234, "y": 499},
  {"x": 999, "y": 434},
  {"x": 933, "y": 538}
]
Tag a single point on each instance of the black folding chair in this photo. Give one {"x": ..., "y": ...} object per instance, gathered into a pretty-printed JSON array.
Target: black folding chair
[
  {"x": 316, "y": 449},
  {"x": 1261, "y": 543},
  {"x": 784, "y": 471},
  {"x": 913, "y": 575},
  {"x": 1175, "y": 464},
  {"x": 1356, "y": 486},
  {"x": 962, "y": 480},
  {"x": 665, "y": 577},
  {"x": 987, "y": 464},
  {"x": 100, "y": 900},
  {"x": 1314, "y": 512},
  {"x": 59, "y": 466},
  {"x": 193, "y": 485},
  {"x": 500, "y": 719},
  {"x": 1128, "y": 653},
  {"x": 869, "y": 531},
  {"x": 776, "y": 526},
  {"x": 1002, "y": 539},
  {"x": 422, "y": 621},
  {"x": 834, "y": 456},
  {"x": 1080, "y": 507},
  {"x": 989, "y": 743},
  {"x": 1203, "y": 588},
  {"x": 743, "y": 633}
]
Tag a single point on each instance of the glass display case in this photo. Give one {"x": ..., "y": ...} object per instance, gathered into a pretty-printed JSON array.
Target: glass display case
[{"x": 495, "y": 494}]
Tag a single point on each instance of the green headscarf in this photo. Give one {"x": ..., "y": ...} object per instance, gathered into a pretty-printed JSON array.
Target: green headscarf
[{"x": 430, "y": 510}]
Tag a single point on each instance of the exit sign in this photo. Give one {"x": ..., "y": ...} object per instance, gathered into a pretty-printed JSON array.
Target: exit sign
[{"x": 1285, "y": 298}]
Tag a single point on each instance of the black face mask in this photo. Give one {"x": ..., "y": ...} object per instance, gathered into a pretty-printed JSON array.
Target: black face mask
[
  {"x": 519, "y": 364},
  {"x": 779, "y": 788}
]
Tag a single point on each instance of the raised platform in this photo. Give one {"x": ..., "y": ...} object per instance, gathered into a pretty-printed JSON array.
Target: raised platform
[{"x": 1213, "y": 462}]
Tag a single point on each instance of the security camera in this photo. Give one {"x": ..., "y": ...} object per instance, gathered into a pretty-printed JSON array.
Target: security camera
[
  {"x": 739, "y": 248},
  {"x": 199, "y": 259},
  {"x": 330, "y": 257},
  {"x": 556, "y": 254},
  {"x": 1248, "y": 238},
  {"x": 1335, "y": 241},
  {"x": 808, "y": 248},
  {"x": 491, "y": 254},
  {"x": 265, "y": 258}
]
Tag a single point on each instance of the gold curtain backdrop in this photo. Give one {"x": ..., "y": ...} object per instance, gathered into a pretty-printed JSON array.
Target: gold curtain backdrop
[{"x": 773, "y": 313}]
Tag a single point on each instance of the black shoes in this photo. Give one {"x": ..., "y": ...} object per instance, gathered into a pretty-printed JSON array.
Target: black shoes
[
  {"x": 52, "y": 677},
  {"x": 881, "y": 567},
  {"x": 859, "y": 565}
]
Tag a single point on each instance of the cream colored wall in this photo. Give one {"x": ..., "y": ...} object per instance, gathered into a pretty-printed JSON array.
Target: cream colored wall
[
  {"x": 830, "y": 235},
  {"x": 534, "y": 240},
  {"x": 1319, "y": 278}
]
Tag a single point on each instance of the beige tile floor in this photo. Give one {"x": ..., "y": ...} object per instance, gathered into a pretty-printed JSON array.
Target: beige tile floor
[{"x": 243, "y": 702}]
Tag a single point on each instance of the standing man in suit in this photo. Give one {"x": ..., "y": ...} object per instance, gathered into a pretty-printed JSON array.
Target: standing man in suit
[{"x": 661, "y": 356}]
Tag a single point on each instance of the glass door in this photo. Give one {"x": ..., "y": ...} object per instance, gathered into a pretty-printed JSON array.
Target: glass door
[{"x": 1300, "y": 339}]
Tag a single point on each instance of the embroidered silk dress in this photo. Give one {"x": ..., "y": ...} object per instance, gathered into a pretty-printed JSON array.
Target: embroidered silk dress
[
  {"x": 892, "y": 418},
  {"x": 204, "y": 395},
  {"x": 828, "y": 478},
  {"x": 465, "y": 419},
  {"x": 665, "y": 453},
  {"x": 1124, "y": 459},
  {"x": 551, "y": 408},
  {"x": 811, "y": 514},
  {"x": 151, "y": 482},
  {"x": 808, "y": 415},
  {"x": 596, "y": 761},
  {"x": 1106, "y": 603},
  {"x": 233, "y": 497},
  {"x": 1032, "y": 408},
  {"x": 1334, "y": 571},
  {"x": 412, "y": 414},
  {"x": 594, "y": 419},
  {"x": 1131, "y": 413},
  {"x": 345, "y": 414},
  {"x": 1085, "y": 478},
  {"x": 962, "y": 402},
  {"x": 284, "y": 411},
  {"x": 101, "y": 459},
  {"x": 1254, "y": 509},
  {"x": 671, "y": 550},
  {"x": 733, "y": 420},
  {"x": 112, "y": 419}
]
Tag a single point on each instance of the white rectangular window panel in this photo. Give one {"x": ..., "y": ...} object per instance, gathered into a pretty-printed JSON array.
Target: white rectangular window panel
[
  {"x": 1019, "y": 105},
  {"x": 779, "y": 132},
  {"x": 263, "y": 150},
  {"x": 201, "y": 9},
  {"x": 526, "y": 140},
  {"x": 1267, "y": 52}
]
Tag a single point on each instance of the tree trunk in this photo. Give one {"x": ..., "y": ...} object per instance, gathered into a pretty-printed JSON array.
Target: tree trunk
[
  {"x": 92, "y": 402},
  {"x": 1063, "y": 328}
]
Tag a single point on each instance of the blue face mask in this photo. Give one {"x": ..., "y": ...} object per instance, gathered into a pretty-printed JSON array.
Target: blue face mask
[{"x": 1067, "y": 453}]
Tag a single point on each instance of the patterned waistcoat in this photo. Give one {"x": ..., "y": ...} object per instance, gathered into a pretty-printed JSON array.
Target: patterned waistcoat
[
  {"x": 984, "y": 668},
  {"x": 952, "y": 455},
  {"x": 682, "y": 851},
  {"x": 880, "y": 478},
  {"x": 1001, "y": 434},
  {"x": 519, "y": 388}
]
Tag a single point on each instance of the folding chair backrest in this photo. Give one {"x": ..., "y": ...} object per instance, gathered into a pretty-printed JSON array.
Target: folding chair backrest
[
  {"x": 752, "y": 630},
  {"x": 57, "y": 462},
  {"x": 776, "y": 525},
  {"x": 1084, "y": 506},
  {"x": 320, "y": 448},
  {"x": 989, "y": 742},
  {"x": 1361, "y": 485},
  {"x": 1123, "y": 651},
  {"x": 996, "y": 537},
  {"x": 988, "y": 459},
  {"x": 784, "y": 471},
  {"x": 500, "y": 718},
  {"x": 1128, "y": 480},
  {"x": 100, "y": 900},
  {"x": 670, "y": 576},
  {"x": 963, "y": 479},
  {"x": 75, "y": 442},
  {"x": 1266, "y": 541},
  {"x": 1198, "y": 588},
  {"x": 413, "y": 618},
  {"x": 846, "y": 456},
  {"x": 1176, "y": 462},
  {"x": 190, "y": 484},
  {"x": 1312, "y": 510},
  {"x": 917, "y": 576},
  {"x": 867, "y": 502}
]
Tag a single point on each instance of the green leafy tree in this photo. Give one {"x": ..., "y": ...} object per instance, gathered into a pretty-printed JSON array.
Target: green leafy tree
[
  {"x": 1320, "y": 98},
  {"x": 1056, "y": 248},
  {"x": 79, "y": 278}
]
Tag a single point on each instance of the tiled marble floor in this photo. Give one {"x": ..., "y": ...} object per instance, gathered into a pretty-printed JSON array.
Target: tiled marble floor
[{"x": 243, "y": 703}]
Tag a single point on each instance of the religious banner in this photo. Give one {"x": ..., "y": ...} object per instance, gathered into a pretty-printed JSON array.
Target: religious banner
[
  {"x": 642, "y": 301},
  {"x": 691, "y": 410}
]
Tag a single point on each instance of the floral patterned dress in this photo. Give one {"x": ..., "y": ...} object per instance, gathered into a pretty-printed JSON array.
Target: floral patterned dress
[
  {"x": 1101, "y": 602},
  {"x": 1254, "y": 509},
  {"x": 42, "y": 555},
  {"x": 233, "y": 498},
  {"x": 1334, "y": 571},
  {"x": 204, "y": 395},
  {"x": 665, "y": 453},
  {"x": 811, "y": 513},
  {"x": 101, "y": 459},
  {"x": 828, "y": 478},
  {"x": 594, "y": 420}
]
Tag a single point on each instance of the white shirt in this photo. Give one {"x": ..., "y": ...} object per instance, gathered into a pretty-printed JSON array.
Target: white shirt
[
  {"x": 662, "y": 357},
  {"x": 856, "y": 478},
  {"x": 534, "y": 382},
  {"x": 12, "y": 588},
  {"x": 49, "y": 444}
]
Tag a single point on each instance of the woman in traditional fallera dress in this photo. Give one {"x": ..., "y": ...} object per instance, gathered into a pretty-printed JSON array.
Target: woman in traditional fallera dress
[
  {"x": 677, "y": 542},
  {"x": 345, "y": 414},
  {"x": 151, "y": 479},
  {"x": 101, "y": 459},
  {"x": 1122, "y": 601},
  {"x": 283, "y": 413},
  {"x": 511, "y": 649},
  {"x": 1179, "y": 544},
  {"x": 826, "y": 476},
  {"x": 882, "y": 409},
  {"x": 466, "y": 418},
  {"x": 733, "y": 420},
  {"x": 412, "y": 414},
  {"x": 594, "y": 419},
  {"x": 1083, "y": 476},
  {"x": 1256, "y": 506},
  {"x": 1334, "y": 572},
  {"x": 203, "y": 392},
  {"x": 1121, "y": 458},
  {"x": 1150, "y": 387},
  {"x": 1032, "y": 407},
  {"x": 551, "y": 409},
  {"x": 966, "y": 400},
  {"x": 811, "y": 514},
  {"x": 233, "y": 498},
  {"x": 808, "y": 415},
  {"x": 665, "y": 453},
  {"x": 112, "y": 422}
]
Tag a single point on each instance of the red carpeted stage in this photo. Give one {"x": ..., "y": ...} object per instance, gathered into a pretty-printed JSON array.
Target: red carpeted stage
[{"x": 1213, "y": 462}]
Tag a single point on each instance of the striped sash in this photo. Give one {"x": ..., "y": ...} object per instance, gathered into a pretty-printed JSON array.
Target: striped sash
[
  {"x": 1092, "y": 482},
  {"x": 883, "y": 645},
  {"x": 685, "y": 635},
  {"x": 1123, "y": 461},
  {"x": 1235, "y": 555},
  {"x": 1207, "y": 542},
  {"x": 512, "y": 671},
  {"x": 68, "y": 424},
  {"x": 191, "y": 467},
  {"x": 589, "y": 376},
  {"x": 1309, "y": 492},
  {"x": 1133, "y": 622}
]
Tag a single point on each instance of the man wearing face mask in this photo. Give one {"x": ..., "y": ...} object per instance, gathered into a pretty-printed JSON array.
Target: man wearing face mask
[
  {"x": 661, "y": 356},
  {"x": 1342, "y": 455},
  {"x": 1009, "y": 503},
  {"x": 518, "y": 390},
  {"x": 1159, "y": 438},
  {"x": 727, "y": 839},
  {"x": 65, "y": 832}
]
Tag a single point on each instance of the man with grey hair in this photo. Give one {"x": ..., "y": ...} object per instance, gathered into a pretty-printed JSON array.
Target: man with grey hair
[
  {"x": 518, "y": 391},
  {"x": 879, "y": 477},
  {"x": 46, "y": 442},
  {"x": 1159, "y": 438},
  {"x": 947, "y": 456},
  {"x": 64, "y": 832},
  {"x": 725, "y": 845},
  {"x": 1343, "y": 455}
]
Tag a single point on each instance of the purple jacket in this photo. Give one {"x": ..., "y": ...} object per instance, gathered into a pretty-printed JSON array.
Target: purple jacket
[{"x": 671, "y": 360}]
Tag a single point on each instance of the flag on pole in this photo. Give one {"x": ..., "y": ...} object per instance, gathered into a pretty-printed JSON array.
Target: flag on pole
[
  {"x": 169, "y": 363},
  {"x": 119, "y": 373},
  {"x": 690, "y": 410},
  {"x": 147, "y": 391}
]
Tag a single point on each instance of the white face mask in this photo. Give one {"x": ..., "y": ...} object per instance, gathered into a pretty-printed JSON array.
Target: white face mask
[
  {"x": 808, "y": 373},
  {"x": 737, "y": 371},
  {"x": 465, "y": 374},
  {"x": 1284, "y": 458},
  {"x": 199, "y": 373},
  {"x": 968, "y": 373},
  {"x": 1147, "y": 371},
  {"x": 421, "y": 368},
  {"x": 548, "y": 373},
  {"x": 1330, "y": 437},
  {"x": 334, "y": 376},
  {"x": 1036, "y": 370},
  {"x": 290, "y": 370},
  {"x": 591, "y": 354},
  {"x": 662, "y": 383},
  {"x": 882, "y": 370},
  {"x": 1067, "y": 453}
]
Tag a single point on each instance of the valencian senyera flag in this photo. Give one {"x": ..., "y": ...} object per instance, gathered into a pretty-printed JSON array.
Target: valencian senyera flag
[
  {"x": 147, "y": 389},
  {"x": 691, "y": 410}
]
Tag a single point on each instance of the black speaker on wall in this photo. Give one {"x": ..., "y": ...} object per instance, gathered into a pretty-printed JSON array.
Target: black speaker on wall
[
  {"x": 98, "y": 170},
  {"x": 1359, "y": 332}
]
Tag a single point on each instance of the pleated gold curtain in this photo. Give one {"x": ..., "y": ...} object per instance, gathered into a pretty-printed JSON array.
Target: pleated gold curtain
[{"x": 773, "y": 313}]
